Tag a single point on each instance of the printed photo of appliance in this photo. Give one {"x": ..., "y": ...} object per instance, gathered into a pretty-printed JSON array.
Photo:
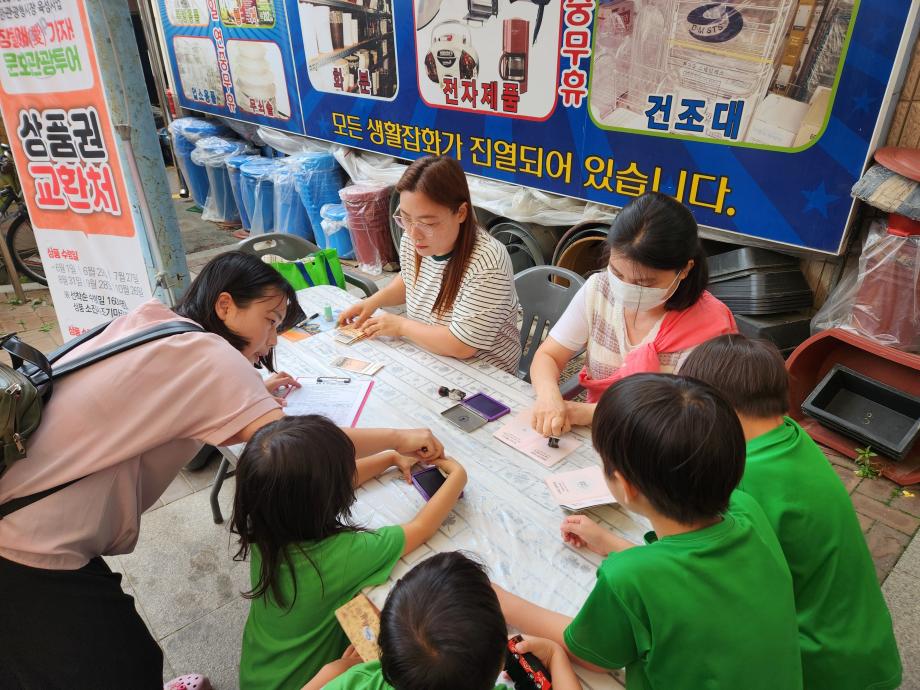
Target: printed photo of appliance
[
  {"x": 451, "y": 53},
  {"x": 512, "y": 65}
]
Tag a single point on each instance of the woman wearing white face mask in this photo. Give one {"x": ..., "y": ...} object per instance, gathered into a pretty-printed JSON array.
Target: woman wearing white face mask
[{"x": 643, "y": 314}]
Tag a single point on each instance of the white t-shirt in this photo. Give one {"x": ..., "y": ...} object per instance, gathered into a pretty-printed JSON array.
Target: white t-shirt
[{"x": 485, "y": 311}]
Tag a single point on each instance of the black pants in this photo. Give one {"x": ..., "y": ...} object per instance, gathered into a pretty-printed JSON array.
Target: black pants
[{"x": 73, "y": 630}]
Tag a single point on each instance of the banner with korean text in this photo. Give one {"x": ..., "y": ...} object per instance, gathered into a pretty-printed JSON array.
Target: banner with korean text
[
  {"x": 54, "y": 109},
  {"x": 758, "y": 114}
]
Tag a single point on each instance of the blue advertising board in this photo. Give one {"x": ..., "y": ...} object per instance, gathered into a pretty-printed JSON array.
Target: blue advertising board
[{"x": 760, "y": 116}]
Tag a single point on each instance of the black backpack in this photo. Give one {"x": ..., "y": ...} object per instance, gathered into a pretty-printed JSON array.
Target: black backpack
[{"x": 29, "y": 383}]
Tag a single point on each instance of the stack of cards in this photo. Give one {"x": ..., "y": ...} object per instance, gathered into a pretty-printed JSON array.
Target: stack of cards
[
  {"x": 357, "y": 366},
  {"x": 580, "y": 489},
  {"x": 349, "y": 336}
]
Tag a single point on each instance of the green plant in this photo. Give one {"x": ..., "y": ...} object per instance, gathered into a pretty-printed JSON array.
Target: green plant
[
  {"x": 865, "y": 467},
  {"x": 14, "y": 301},
  {"x": 46, "y": 327}
]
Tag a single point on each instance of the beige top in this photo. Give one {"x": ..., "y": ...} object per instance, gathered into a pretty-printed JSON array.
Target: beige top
[
  {"x": 595, "y": 321},
  {"x": 133, "y": 421}
]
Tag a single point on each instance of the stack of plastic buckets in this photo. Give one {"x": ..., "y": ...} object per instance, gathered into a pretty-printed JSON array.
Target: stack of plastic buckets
[
  {"x": 318, "y": 178},
  {"x": 234, "y": 177},
  {"x": 185, "y": 132},
  {"x": 290, "y": 215},
  {"x": 212, "y": 153},
  {"x": 334, "y": 229},
  {"x": 258, "y": 191},
  {"x": 368, "y": 207}
]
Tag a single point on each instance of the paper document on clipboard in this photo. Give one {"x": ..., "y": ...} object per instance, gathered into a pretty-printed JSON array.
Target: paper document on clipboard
[{"x": 340, "y": 402}]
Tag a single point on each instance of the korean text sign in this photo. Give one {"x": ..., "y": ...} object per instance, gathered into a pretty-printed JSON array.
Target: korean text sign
[
  {"x": 53, "y": 105},
  {"x": 758, "y": 115}
]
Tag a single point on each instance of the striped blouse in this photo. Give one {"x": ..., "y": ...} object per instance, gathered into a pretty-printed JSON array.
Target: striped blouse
[{"x": 485, "y": 312}]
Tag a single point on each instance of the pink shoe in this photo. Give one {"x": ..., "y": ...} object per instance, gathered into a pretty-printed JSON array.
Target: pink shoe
[{"x": 190, "y": 681}]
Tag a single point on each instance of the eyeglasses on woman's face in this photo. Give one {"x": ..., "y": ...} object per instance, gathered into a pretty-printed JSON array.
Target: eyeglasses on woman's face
[{"x": 426, "y": 229}]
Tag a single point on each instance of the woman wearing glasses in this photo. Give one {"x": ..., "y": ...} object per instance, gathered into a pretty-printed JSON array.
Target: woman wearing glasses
[{"x": 456, "y": 280}]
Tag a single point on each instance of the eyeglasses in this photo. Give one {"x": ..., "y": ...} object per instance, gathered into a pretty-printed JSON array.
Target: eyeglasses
[{"x": 426, "y": 229}]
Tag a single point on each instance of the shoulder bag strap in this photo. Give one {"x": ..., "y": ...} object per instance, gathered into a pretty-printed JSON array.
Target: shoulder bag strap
[{"x": 155, "y": 333}]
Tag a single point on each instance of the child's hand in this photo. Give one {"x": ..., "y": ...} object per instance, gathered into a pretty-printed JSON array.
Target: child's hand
[
  {"x": 351, "y": 654},
  {"x": 404, "y": 463},
  {"x": 334, "y": 669},
  {"x": 451, "y": 468},
  {"x": 540, "y": 647},
  {"x": 582, "y": 532},
  {"x": 419, "y": 442},
  {"x": 554, "y": 658}
]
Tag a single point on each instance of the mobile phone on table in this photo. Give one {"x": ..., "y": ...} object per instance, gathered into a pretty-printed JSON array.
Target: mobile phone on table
[
  {"x": 428, "y": 481},
  {"x": 489, "y": 408}
]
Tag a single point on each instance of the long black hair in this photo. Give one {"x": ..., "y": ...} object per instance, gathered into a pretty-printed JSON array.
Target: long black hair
[
  {"x": 657, "y": 231},
  {"x": 246, "y": 278},
  {"x": 295, "y": 485}
]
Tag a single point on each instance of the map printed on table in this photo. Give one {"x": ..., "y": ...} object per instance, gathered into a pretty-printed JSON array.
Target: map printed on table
[{"x": 507, "y": 517}]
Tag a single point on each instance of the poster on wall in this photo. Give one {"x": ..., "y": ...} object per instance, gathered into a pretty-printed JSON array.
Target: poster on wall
[
  {"x": 54, "y": 110},
  {"x": 758, "y": 114},
  {"x": 233, "y": 58}
]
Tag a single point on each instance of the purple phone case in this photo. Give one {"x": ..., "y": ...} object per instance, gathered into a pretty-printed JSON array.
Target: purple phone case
[
  {"x": 505, "y": 409},
  {"x": 418, "y": 485}
]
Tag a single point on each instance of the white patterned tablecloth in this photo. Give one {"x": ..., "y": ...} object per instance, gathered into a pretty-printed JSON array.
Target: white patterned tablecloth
[{"x": 506, "y": 516}]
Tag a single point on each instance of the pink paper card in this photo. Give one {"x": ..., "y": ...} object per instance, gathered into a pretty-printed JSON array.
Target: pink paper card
[
  {"x": 516, "y": 432},
  {"x": 579, "y": 489}
]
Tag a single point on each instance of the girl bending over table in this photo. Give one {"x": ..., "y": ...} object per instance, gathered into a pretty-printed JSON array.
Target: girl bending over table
[{"x": 456, "y": 280}]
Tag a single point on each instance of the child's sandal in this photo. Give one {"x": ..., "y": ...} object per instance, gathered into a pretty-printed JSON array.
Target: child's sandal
[{"x": 190, "y": 681}]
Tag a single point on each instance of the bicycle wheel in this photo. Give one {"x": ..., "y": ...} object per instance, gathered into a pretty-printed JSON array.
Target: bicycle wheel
[{"x": 21, "y": 242}]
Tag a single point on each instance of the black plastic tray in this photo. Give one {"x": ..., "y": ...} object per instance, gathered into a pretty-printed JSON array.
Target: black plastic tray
[
  {"x": 785, "y": 330},
  {"x": 767, "y": 307},
  {"x": 760, "y": 285},
  {"x": 867, "y": 410},
  {"x": 748, "y": 260}
]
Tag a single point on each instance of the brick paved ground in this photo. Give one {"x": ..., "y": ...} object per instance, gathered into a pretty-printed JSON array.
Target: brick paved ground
[{"x": 888, "y": 513}]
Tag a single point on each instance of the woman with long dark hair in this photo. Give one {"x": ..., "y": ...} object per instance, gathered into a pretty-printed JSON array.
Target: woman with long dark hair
[
  {"x": 643, "y": 314},
  {"x": 456, "y": 281},
  {"x": 112, "y": 439}
]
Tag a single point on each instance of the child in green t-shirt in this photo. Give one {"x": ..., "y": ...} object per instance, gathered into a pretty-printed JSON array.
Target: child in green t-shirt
[
  {"x": 845, "y": 632},
  {"x": 295, "y": 487},
  {"x": 442, "y": 627},
  {"x": 707, "y": 602}
]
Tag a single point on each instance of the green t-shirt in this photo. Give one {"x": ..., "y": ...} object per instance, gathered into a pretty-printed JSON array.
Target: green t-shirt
[
  {"x": 284, "y": 648},
  {"x": 366, "y": 677},
  {"x": 711, "y": 608},
  {"x": 844, "y": 626}
]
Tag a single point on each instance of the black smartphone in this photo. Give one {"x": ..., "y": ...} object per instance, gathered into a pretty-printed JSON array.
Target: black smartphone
[{"x": 428, "y": 481}]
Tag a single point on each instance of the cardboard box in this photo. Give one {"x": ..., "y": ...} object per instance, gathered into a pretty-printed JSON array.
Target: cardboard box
[{"x": 814, "y": 118}]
